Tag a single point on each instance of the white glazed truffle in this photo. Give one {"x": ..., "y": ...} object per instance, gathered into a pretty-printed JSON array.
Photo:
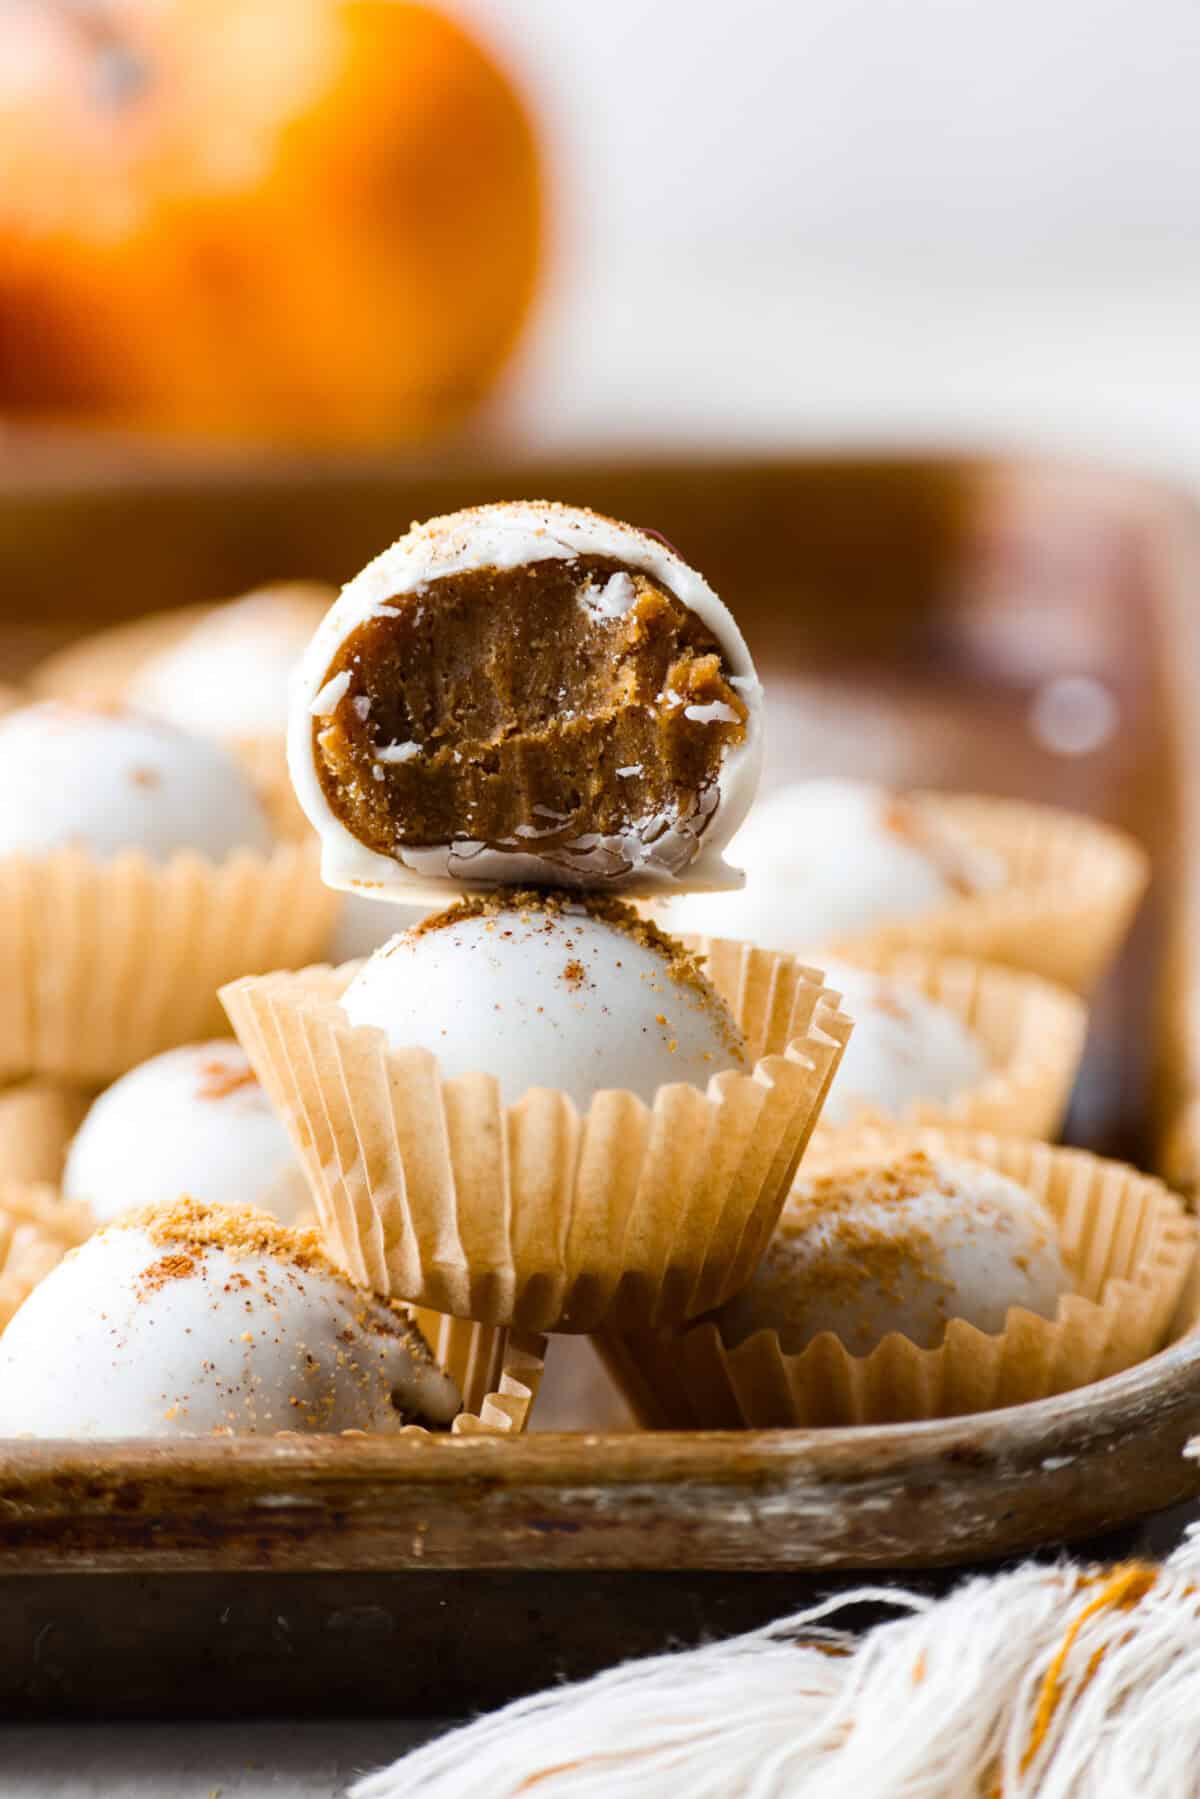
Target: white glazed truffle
[
  {"x": 228, "y": 676},
  {"x": 902, "y": 1246},
  {"x": 194, "y": 1121},
  {"x": 905, "y": 1047},
  {"x": 108, "y": 781},
  {"x": 651, "y": 852},
  {"x": 827, "y": 858},
  {"x": 190, "y": 1321},
  {"x": 542, "y": 994}
]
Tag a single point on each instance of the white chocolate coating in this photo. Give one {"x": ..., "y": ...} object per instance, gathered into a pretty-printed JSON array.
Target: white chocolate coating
[
  {"x": 904, "y": 1247},
  {"x": 661, "y": 852},
  {"x": 541, "y": 1000},
  {"x": 228, "y": 677},
  {"x": 192, "y": 1121},
  {"x": 113, "y": 781},
  {"x": 133, "y": 1337},
  {"x": 905, "y": 1047},
  {"x": 823, "y": 862}
]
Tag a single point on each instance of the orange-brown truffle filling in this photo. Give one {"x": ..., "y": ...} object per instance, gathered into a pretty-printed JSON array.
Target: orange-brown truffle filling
[{"x": 524, "y": 709}]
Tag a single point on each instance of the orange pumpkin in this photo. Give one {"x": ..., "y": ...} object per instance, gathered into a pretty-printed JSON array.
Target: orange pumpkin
[{"x": 291, "y": 221}]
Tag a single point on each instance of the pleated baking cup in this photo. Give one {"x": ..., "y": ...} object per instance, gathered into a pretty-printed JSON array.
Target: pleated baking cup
[
  {"x": 103, "y": 964},
  {"x": 1072, "y": 889},
  {"x": 535, "y": 1215},
  {"x": 504, "y": 1411},
  {"x": 1032, "y": 1033},
  {"x": 1127, "y": 1242},
  {"x": 37, "y": 1122},
  {"x": 37, "y": 1228}
]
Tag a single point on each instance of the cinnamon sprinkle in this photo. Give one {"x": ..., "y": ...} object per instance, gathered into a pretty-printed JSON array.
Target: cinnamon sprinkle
[
  {"x": 681, "y": 966},
  {"x": 219, "y": 1079},
  {"x": 177, "y": 1267},
  {"x": 186, "y": 1228}
]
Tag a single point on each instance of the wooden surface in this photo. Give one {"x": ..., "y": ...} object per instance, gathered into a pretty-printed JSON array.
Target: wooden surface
[
  {"x": 905, "y": 615},
  {"x": 912, "y": 1496}
]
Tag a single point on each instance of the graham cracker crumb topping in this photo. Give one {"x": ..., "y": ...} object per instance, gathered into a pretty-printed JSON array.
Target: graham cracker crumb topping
[{"x": 681, "y": 966}]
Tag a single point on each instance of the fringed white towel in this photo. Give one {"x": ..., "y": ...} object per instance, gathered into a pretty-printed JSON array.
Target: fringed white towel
[{"x": 1065, "y": 1682}]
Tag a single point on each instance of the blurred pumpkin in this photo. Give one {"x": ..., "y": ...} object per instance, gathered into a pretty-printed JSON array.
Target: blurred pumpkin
[{"x": 291, "y": 221}]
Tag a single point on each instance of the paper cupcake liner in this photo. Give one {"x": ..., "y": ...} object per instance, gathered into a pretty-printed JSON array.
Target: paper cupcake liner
[
  {"x": 37, "y": 1122},
  {"x": 106, "y": 963},
  {"x": 1127, "y": 1240},
  {"x": 533, "y": 1214},
  {"x": 1074, "y": 885},
  {"x": 37, "y": 1228},
  {"x": 503, "y": 1412},
  {"x": 1032, "y": 1032}
]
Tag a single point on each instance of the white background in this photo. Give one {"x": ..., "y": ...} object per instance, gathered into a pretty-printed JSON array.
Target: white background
[{"x": 866, "y": 219}]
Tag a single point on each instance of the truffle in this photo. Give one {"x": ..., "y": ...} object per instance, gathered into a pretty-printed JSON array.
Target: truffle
[
  {"x": 189, "y": 1321},
  {"x": 193, "y": 1121},
  {"x": 900, "y": 1246},
  {"x": 109, "y": 781},
  {"x": 227, "y": 677},
  {"x": 526, "y": 693},
  {"x": 905, "y": 1047},
  {"x": 827, "y": 858},
  {"x": 548, "y": 991}
]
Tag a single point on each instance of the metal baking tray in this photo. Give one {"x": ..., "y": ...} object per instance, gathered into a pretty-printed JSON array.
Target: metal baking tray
[{"x": 929, "y": 620}]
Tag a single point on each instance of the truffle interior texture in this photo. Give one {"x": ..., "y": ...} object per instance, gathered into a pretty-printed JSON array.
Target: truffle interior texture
[{"x": 524, "y": 709}]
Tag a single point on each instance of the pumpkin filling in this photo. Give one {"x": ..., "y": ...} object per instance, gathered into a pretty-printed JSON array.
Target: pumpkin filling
[{"x": 526, "y": 709}]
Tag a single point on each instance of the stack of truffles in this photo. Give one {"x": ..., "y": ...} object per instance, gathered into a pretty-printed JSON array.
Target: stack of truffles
[{"x": 569, "y": 1089}]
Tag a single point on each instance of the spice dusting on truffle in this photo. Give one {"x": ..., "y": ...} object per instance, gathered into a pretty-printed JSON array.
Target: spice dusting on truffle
[
  {"x": 241, "y": 1230},
  {"x": 901, "y": 1246},
  {"x": 679, "y": 964},
  {"x": 866, "y": 1249},
  {"x": 962, "y": 872},
  {"x": 177, "y": 1267},
  {"x": 524, "y": 709},
  {"x": 218, "y": 1080},
  {"x": 187, "y": 1228}
]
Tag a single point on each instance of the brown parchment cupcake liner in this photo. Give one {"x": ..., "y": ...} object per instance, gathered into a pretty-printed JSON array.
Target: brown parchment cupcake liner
[
  {"x": 106, "y": 963},
  {"x": 1073, "y": 887},
  {"x": 535, "y": 1215},
  {"x": 1127, "y": 1241},
  {"x": 37, "y": 1228},
  {"x": 1032, "y": 1032},
  {"x": 38, "y": 1119},
  {"x": 504, "y": 1411}
]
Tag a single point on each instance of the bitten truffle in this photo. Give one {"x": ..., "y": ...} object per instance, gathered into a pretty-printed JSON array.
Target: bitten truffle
[
  {"x": 827, "y": 858},
  {"x": 905, "y": 1047},
  {"x": 188, "y": 1321},
  {"x": 108, "y": 781},
  {"x": 193, "y": 1121},
  {"x": 545, "y": 991},
  {"x": 526, "y": 693},
  {"x": 903, "y": 1246}
]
